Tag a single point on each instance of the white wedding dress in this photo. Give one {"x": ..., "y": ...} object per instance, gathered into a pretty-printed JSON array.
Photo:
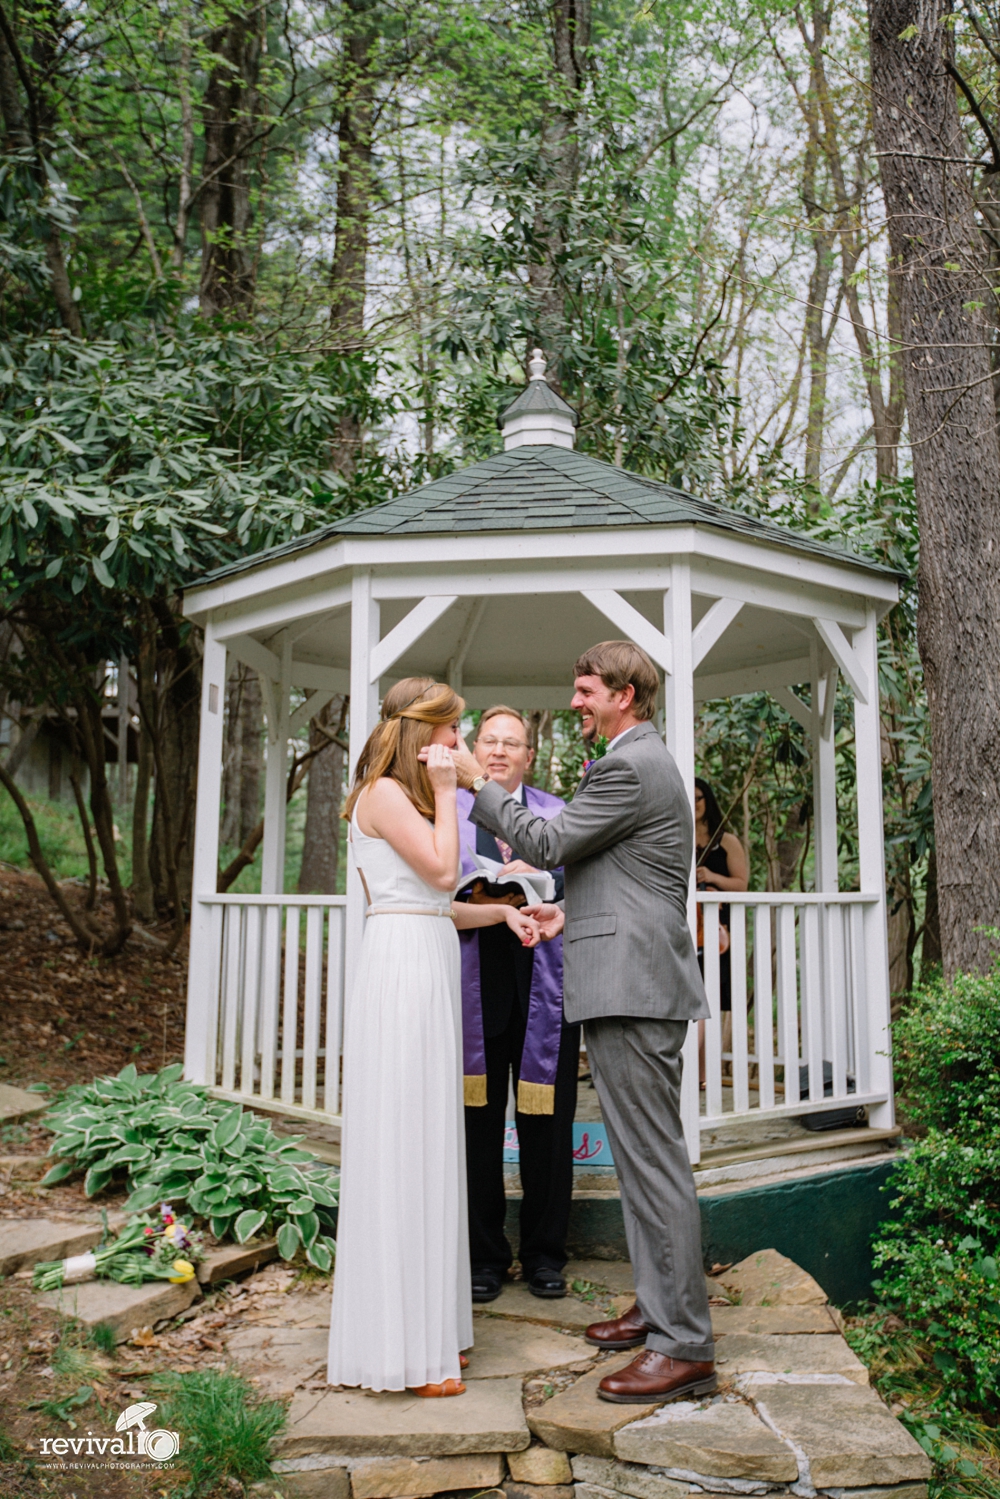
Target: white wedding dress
[{"x": 402, "y": 1299}]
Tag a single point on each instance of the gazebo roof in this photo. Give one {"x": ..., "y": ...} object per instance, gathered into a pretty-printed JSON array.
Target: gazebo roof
[{"x": 541, "y": 487}]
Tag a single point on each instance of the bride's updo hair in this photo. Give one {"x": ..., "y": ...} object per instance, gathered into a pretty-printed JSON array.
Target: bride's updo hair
[{"x": 411, "y": 711}]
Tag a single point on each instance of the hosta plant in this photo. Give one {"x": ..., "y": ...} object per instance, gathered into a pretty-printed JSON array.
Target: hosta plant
[{"x": 171, "y": 1142}]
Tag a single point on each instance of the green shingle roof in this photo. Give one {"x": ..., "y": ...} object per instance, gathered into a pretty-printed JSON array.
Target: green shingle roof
[
  {"x": 536, "y": 396},
  {"x": 541, "y": 487}
]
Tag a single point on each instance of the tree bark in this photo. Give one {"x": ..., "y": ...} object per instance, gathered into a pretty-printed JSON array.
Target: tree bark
[
  {"x": 938, "y": 262},
  {"x": 559, "y": 167},
  {"x": 175, "y": 741},
  {"x": 349, "y": 271},
  {"x": 230, "y": 114},
  {"x": 244, "y": 757},
  {"x": 142, "y": 884},
  {"x": 324, "y": 793}
]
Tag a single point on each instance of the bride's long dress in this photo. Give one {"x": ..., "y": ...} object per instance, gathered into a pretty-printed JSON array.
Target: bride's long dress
[{"x": 402, "y": 1301}]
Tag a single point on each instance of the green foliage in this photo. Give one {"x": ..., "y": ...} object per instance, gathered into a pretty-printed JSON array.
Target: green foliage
[
  {"x": 939, "y": 1252},
  {"x": 226, "y": 1429},
  {"x": 59, "y": 834},
  {"x": 104, "y": 1338},
  {"x": 172, "y": 1142},
  {"x": 963, "y": 1447}
]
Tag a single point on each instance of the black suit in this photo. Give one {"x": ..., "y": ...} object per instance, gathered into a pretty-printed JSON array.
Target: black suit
[{"x": 546, "y": 1140}]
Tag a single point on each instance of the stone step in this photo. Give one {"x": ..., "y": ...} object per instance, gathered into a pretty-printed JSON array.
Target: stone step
[
  {"x": 767, "y": 1278},
  {"x": 489, "y": 1417},
  {"x": 230, "y": 1260},
  {"x": 739, "y": 1354},
  {"x": 18, "y": 1103},
  {"x": 25, "y": 1242},
  {"x": 845, "y": 1437},
  {"x": 122, "y": 1308},
  {"x": 577, "y": 1420},
  {"x": 724, "y": 1439}
]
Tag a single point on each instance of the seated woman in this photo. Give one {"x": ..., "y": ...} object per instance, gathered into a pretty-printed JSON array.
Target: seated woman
[{"x": 721, "y": 865}]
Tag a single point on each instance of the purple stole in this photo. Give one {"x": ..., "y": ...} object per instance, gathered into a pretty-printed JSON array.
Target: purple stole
[{"x": 540, "y": 1057}]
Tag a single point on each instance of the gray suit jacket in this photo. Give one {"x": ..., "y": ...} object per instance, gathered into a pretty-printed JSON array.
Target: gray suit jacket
[{"x": 626, "y": 841}]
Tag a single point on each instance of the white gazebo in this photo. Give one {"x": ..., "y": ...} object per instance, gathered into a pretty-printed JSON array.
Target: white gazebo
[{"x": 496, "y": 577}]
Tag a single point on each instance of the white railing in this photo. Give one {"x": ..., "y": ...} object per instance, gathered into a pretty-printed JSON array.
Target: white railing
[
  {"x": 803, "y": 1036},
  {"x": 276, "y": 1000}
]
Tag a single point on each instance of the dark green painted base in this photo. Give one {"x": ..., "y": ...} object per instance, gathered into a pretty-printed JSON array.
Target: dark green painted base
[{"x": 825, "y": 1223}]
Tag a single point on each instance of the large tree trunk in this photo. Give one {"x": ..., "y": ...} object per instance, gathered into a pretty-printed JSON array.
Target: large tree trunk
[
  {"x": 349, "y": 271},
  {"x": 20, "y": 73},
  {"x": 559, "y": 165},
  {"x": 230, "y": 113},
  {"x": 325, "y": 793},
  {"x": 244, "y": 758},
  {"x": 171, "y": 850},
  {"x": 940, "y": 267}
]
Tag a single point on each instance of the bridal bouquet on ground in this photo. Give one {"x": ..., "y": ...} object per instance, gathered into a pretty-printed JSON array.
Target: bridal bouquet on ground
[{"x": 147, "y": 1248}]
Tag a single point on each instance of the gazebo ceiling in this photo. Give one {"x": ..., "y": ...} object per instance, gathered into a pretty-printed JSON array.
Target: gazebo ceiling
[
  {"x": 544, "y": 488},
  {"x": 530, "y": 641}
]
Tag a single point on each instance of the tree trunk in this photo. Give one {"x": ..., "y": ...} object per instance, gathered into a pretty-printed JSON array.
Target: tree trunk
[
  {"x": 171, "y": 852},
  {"x": 940, "y": 267},
  {"x": 230, "y": 113},
  {"x": 349, "y": 271},
  {"x": 324, "y": 795},
  {"x": 559, "y": 165},
  {"x": 930, "y": 948},
  {"x": 142, "y": 883},
  {"x": 244, "y": 757}
]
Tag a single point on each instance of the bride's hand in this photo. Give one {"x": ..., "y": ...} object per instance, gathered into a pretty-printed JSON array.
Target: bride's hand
[
  {"x": 523, "y": 927},
  {"x": 440, "y": 767},
  {"x": 551, "y": 919}
]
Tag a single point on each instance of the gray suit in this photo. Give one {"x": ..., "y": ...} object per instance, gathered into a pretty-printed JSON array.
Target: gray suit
[{"x": 626, "y": 842}]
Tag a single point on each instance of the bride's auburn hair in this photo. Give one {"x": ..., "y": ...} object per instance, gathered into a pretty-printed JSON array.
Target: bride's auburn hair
[{"x": 411, "y": 711}]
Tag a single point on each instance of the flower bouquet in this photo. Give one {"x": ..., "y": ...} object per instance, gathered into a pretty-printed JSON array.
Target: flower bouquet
[{"x": 146, "y": 1249}]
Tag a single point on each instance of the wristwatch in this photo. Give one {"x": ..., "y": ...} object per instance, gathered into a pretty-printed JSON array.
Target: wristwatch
[{"x": 478, "y": 782}]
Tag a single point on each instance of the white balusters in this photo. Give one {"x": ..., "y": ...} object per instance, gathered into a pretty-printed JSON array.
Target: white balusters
[
  {"x": 797, "y": 975},
  {"x": 278, "y": 994}
]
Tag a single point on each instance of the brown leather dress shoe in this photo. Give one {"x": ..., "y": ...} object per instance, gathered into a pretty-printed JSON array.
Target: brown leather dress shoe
[
  {"x": 625, "y": 1332},
  {"x": 655, "y": 1376}
]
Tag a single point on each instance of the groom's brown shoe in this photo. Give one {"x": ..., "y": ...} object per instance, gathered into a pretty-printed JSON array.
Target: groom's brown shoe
[
  {"x": 656, "y": 1376},
  {"x": 625, "y": 1332}
]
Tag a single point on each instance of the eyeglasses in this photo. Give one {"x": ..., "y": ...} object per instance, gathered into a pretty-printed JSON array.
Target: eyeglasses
[{"x": 508, "y": 744}]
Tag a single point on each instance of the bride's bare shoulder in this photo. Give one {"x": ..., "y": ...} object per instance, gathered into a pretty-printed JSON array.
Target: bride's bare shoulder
[{"x": 384, "y": 801}]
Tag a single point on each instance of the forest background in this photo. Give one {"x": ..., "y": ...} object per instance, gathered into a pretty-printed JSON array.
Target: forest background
[{"x": 262, "y": 265}]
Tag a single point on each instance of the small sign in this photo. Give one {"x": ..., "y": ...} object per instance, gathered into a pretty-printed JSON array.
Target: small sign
[{"x": 590, "y": 1144}]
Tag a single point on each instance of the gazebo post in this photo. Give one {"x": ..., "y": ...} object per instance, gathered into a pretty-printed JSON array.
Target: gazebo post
[
  {"x": 871, "y": 872},
  {"x": 824, "y": 769},
  {"x": 272, "y": 864},
  {"x": 199, "y": 1029},
  {"x": 364, "y": 713},
  {"x": 678, "y": 692}
]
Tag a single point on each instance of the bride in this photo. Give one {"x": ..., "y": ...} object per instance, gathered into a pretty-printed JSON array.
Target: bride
[{"x": 402, "y": 1305}]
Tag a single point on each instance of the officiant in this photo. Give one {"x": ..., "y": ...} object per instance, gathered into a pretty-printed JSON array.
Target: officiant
[{"x": 512, "y": 1016}]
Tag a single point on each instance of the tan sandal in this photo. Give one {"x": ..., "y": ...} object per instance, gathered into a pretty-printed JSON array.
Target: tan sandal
[
  {"x": 463, "y": 1362},
  {"x": 431, "y": 1391}
]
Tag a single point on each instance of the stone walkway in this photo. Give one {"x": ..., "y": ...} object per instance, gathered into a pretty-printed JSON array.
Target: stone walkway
[{"x": 794, "y": 1412}]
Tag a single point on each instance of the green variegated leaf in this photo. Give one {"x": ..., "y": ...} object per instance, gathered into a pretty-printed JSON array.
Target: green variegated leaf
[
  {"x": 288, "y": 1240},
  {"x": 247, "y": 1224}
]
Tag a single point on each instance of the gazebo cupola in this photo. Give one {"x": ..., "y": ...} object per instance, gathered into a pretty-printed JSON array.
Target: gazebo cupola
[
  {"x": 538, "y": 415},
  {"x": 497, "y": 577}
]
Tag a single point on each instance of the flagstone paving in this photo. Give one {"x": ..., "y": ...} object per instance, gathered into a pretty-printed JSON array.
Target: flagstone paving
[
  {"x": 17, "y": 1103},
  {"x": 794, "y": 1409},
  {"x": 122, "y": 1308}
]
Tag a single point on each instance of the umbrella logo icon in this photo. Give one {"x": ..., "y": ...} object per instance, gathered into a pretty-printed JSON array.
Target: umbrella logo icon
[{"x": 158, "y": 1444}]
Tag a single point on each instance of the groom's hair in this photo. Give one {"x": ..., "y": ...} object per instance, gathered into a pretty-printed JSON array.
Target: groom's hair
[{"x": 620, "y": 664}]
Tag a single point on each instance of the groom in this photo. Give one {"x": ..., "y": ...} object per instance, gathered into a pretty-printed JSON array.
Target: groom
[{"x": 626, "y": 842}]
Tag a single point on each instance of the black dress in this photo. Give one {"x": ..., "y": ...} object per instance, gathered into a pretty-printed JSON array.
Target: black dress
[{"x": 718, "y": 862}]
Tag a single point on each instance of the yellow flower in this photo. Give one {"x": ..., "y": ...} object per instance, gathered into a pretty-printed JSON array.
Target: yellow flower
[
  {"x": 184, "y": 1271},
  {"x": 170, "y": 1230}
]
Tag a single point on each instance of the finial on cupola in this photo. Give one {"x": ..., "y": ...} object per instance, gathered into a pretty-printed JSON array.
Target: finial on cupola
[{"x": 538, "y": 415}]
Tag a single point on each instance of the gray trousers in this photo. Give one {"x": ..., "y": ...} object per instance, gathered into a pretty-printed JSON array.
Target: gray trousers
[{"x": 636, "y": 1067}]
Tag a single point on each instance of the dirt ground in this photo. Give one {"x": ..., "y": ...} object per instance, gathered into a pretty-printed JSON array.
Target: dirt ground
[{"x": 65, "y": 1017}]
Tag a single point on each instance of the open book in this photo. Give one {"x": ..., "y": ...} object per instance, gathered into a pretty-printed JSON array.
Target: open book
[{"x": 490, "y": 880}]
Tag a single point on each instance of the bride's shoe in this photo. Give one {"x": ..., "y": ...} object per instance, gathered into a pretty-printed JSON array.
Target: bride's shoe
[
  {"x": 429, "y": 1391},
  {"x": 463, "y": 1362}
]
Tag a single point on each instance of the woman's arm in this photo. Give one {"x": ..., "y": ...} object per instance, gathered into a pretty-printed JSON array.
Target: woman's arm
[
  {"x": 738, "y": 876},
  {"x": 430, "y": 849},
  {"x": 467, "y": 916}
]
